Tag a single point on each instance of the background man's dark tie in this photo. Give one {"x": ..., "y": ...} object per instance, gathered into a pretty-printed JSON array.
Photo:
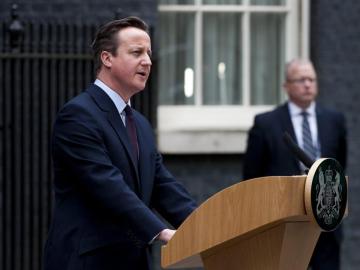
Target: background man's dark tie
[
  {"x": 308, "y": 145},
  {"x": 131, "y": 130}
]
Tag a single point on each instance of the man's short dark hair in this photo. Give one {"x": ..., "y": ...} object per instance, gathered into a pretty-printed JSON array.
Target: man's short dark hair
[{"x": 106, "y": 37}]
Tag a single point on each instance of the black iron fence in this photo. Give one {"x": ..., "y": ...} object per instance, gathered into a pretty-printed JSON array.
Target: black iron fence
[
  {"x": 50, "y": 65},
  {"x": 42, "y": 65}
]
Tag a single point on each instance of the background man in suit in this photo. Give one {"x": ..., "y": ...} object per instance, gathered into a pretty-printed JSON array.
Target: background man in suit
[
  {"x": 267, "y": 153},
  {"x": 108, "y": 173}
]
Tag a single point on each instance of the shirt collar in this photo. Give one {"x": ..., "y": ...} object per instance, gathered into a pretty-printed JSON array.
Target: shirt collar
[
  {"x": 296, "y": 110},
  {"x": 115, "y": 97}
]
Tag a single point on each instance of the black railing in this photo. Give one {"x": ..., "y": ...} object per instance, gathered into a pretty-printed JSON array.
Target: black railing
[{"x": 49, "y": 66}]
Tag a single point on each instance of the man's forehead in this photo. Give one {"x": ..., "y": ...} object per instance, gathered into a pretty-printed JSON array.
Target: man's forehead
[
  {"x": 137, "y": 38},
  {"x": 132, "y": 32},
  {"x": 302, "y": 68}
]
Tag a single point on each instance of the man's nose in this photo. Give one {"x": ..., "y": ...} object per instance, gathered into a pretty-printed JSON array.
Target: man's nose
[
  {"x": 307, "y": 83},
  {"x": 147, "y": 60}
]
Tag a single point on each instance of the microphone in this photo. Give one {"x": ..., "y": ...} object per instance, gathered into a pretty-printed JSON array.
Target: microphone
[{"x": 297, "y": 151}]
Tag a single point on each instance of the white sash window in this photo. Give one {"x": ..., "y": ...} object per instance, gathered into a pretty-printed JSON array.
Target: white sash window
[{"x": 220, "y": 63}]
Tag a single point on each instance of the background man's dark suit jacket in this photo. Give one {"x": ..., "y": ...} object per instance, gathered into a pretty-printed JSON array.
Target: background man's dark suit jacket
[
  {"x": 102, "y": 199},
  {"x": 268, "y": 155}
]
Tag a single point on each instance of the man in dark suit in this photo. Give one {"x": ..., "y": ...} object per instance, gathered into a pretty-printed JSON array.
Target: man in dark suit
[
  {"x": 267, "y": 154},
  {"x": 108, "y": 172}
]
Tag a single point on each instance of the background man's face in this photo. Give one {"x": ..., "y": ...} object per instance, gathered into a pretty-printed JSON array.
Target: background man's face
[{"x": 301, "y": 84}]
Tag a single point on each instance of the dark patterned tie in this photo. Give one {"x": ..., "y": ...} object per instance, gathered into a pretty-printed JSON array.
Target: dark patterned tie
[
  {"x": 308, "y": 145},
  {"x": 131, "y": 130}
]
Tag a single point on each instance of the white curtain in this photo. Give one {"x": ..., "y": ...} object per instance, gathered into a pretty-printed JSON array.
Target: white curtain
[
  {"x": 176, "y": 53},
  {"x": 267, "y": 2},
  {"x": 222, "y": 55},
  {"x": 222, "y": 2},
  {"x": 239, "y": 2},
  {"x": 267, "y": 58},
  {"x": 222, "y": 59}
]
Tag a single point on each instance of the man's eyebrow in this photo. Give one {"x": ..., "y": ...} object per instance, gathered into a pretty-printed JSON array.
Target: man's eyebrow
[{"x": 139, "y": 47}]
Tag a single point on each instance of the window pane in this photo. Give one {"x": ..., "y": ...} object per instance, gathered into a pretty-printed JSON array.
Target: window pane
[
  {"x": 267, "y": 2},
  {"x": 222, "y": 2},
  {"x": 176, "y": 58},
  {"x": 222, "y": 59},
  {"x": 176, "y": 2},
  {"x": 267, "y": 58}
]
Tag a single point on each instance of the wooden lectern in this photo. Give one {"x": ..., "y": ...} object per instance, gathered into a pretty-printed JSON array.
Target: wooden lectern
[{"x": 257, "y": 224}]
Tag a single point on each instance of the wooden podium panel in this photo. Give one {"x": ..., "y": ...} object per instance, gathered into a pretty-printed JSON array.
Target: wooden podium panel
[
  {"x": 256, "y": 224},
  {"x": 271, "y": 249}
]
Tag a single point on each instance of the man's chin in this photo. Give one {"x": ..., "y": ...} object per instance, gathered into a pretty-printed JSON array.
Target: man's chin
[{"x": 139, "y": 88}]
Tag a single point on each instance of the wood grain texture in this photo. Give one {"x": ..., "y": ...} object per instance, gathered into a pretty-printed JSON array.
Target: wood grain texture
[{"x": 265, "y": 217}]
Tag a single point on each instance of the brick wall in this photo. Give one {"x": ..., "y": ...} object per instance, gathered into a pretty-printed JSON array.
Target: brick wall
[
  {"x": 335, "y": 49},
  {"x": 204, "y": 175},
  {"x": 80, "y": 10}
]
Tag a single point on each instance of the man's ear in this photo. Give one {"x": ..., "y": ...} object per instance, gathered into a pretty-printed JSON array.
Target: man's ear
[{"x": 106, "y": 59}]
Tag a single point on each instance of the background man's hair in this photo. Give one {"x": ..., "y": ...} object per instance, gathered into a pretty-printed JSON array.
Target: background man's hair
[
  {"x": 106, "y": 38},
  {"x": 295, "y": 62}
]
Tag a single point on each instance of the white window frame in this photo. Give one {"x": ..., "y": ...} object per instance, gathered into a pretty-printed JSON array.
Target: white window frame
[{"x": 198, "y": 128}]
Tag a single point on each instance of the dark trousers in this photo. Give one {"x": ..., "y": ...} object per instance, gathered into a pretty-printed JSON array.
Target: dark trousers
[
  {"x": 112, "y": 257},
  {"x": 327, "y": 252}
]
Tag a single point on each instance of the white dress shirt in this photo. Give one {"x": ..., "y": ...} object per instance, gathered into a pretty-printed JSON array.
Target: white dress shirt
[
  {"x": 115, "y": 97},
  {"x": 297, "y": 118}
]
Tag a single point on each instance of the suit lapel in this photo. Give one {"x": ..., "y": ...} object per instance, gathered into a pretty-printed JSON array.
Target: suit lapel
[
  {"x": 287, "y": 126},
  {"x": 106, "y": 104},
  {"x": 286, "y": 122}
]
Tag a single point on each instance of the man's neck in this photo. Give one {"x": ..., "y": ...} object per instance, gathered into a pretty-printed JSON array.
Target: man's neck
[
  {"x": 295, "y": 108},
  {"x": 102, "y": 76}
]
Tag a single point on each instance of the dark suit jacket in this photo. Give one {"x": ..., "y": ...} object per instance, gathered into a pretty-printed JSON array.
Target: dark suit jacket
[
  {"x": 267, "y": 154},
  {"x": 102, "y": 200}
]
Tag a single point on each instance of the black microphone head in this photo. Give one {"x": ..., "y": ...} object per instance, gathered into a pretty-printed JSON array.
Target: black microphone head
[{"x": 297, "y": 151}]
